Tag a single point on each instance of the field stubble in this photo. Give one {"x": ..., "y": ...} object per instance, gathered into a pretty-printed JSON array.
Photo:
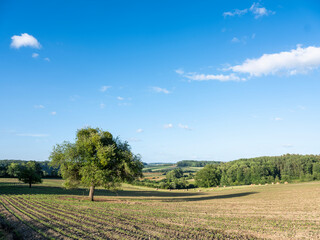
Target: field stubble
[{"x": 249, "y": 212}]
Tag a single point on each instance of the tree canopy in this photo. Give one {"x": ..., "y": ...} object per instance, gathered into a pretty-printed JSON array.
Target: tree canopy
[
  {"x": 209, "y": 176},
  {"x": 13, "y": 169},
  {"x": 30, "y": 173},
  {"x": 96, "y": 159}
]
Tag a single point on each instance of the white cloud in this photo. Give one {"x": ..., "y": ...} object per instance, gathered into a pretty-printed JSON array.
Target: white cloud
[
  {"x": 160, "y": 90},
  {"x": 259, "y": 11},
  {"x": 25, "y": 40},
  {"x": 169, "y": 125},
  {"x": 31, "y": 135},
  {"x": 236, "y": 12},
  {"x": 47, "y": 59},
  {"x": 186, "y": 127},
  {"x": 102, "y": 105},
  {"x": 278, "y": 119},
  {"x": 39, "y": 106},
  {"x": 300, "y": 60},
  {"x": 104, "y": 88},
  {"x": 256, "y": 9},
  {"x": 35, "y": 55},
  {"x": 140, "y": 130},
  {"x": 120, "y": 98},
  {"x": 179, "y": 71},
  {"x": 219, "y": 77},
  {"x": 53, "y": 113},
  {"x": 235, "y": 40}
]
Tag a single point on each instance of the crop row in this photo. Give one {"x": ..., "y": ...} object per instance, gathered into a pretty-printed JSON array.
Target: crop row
[{"x": 59, "y": 220}]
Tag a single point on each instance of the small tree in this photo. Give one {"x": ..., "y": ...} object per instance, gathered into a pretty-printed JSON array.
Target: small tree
[
  {"x": 13, "y": 169},
  {"x": 209, "y": 176},
  {"x": 96, "y": 159},
  {"x": 30, "y": 173}
]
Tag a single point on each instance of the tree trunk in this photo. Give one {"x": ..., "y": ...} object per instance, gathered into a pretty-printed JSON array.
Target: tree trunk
[
  {"x": 91, "y": 193},
  {"x": 29, "y": 184}
]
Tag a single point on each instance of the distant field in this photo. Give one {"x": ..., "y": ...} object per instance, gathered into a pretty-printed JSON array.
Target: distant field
[
  {"x": 159, "y": 167},
  {"x": 168, "y": 167},
  {"x": 248, "y": 212}
]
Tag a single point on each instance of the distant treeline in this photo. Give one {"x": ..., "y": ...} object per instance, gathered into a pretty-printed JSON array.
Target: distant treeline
[
  {"x": 195, "y": 163},
  {"x": 285, "y": 168},
  {"x": 47, "y": 170}
]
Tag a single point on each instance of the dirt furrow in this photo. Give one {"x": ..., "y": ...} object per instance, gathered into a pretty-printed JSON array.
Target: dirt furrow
[
  {"x": 93, "y": 230},
  {"x": 23, "y": 224}
]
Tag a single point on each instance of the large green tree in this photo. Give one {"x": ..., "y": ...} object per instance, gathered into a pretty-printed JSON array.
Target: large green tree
[
  {"x": 209, "y": 176},
  {"x": 30, "y": 173},
  {"x": 96, "y": 159}
]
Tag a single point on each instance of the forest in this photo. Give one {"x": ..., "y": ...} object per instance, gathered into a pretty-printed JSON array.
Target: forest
[
  {"x": 195, "y": 163},
  {"x": 47, "y": 170},
  {"x": 261, "y": 170}
]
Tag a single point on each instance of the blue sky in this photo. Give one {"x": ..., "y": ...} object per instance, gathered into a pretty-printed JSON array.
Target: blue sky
[{"x": 205, "y": 80}]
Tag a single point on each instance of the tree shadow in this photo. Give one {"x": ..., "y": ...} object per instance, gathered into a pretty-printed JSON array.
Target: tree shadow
[
  {"x": 211, "y": 197},
  {"x": 15, "y": 189},
  {"x": 165, "y": 196}
]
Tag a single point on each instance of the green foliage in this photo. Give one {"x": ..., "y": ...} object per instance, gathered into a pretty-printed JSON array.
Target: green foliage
[
  {"x": 96, "y": 159},
  {"x": 47, "y": 170},
  {"x": 194, "y": 163},
  {"x": 30, "y": 173},
  {"x": 209, "y": 176},
  {"x": 173, "y": 174},
  {"x": 13, "y": 169}
]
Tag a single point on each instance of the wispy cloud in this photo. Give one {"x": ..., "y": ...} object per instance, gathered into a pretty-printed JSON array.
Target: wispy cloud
[
  {"x": 235, "y": 40},
  {"x": 256, "y": 9},
  {"x": 35, "y": 55},
  {"x": 53, "y": 113},
  {"x": 102, "y": 105},
  {"x": 120, "y": 98},
  {"x": 47, "y": 59},
  {"x": 169, "y": 125},
  {"x": 236, "y": 12},
  {"x": 24, "y": 40},
  {"x": 179, "y": 71},
  {"x": 104, "y": 88},
  {"x": 140, "y": 130},
  {"x": 160, "y": 90},
  {"x": 74, "y": 98},
  {"x": 278, "y": 119},
  {"x": 186, "y": 127},
  {"x": 31, "y": 135},
  {"x": 208, "y": 77},
  {"x": 39, "y": 106},
  {"x": 299, "y": 60},
  {"x": 259, "y": 11}
]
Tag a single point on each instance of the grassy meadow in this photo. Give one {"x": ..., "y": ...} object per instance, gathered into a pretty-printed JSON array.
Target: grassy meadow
[{"x": 47, "y": 211}]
